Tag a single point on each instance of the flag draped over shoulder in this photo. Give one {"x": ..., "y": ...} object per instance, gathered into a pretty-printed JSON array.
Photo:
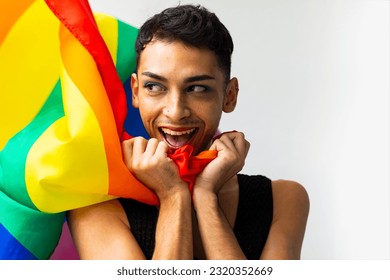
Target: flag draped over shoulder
[
  {"x": 58, "y": 86},
  {"x": 62, "y": 113}
]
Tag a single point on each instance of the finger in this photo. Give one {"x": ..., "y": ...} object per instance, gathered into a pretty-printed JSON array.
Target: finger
[
  {"x": 162, "y": 149},
  {"x": 151, "y": 147},
  {"x": 218, "y": 145},
  {"x": 241, "y": 145},
  {"x": 127, "y": 151},
  {"x": 139, "y": 147},
  {"x": 233, "y": 143},
  {"x": 228, "y": 141}
]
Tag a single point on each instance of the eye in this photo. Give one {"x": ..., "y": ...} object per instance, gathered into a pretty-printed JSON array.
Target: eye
[
  {"x": 154, "y": 88},
  {"x": 198, "y": 89}
]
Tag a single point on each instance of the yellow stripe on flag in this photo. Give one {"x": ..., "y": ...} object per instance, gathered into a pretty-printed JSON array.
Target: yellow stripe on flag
[
  {"x": 70, "y": 156},
  {"x": 28, "y": 68},
  {"x": 89, "y": 83}
]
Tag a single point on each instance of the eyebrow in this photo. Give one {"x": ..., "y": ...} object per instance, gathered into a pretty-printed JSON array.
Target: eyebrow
[
  {"x": 198, "y": 78},
  {"x": 187, "y": 80},
  {"x": 154, "y": 76}
]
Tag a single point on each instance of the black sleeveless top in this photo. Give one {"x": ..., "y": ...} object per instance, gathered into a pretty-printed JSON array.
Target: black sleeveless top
[{"x": 251, "y": 228}]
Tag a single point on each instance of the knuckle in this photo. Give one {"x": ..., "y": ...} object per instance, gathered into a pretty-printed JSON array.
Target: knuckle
[
  {"x": 241, "y": 134},
  {"x": 126, "y": 142},
  {"x": 139, "y": 139}
]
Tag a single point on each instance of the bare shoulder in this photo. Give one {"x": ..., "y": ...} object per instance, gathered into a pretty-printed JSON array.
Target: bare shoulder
[
  {"x": 291, "y": 210},
  {"x": 290, "y": 194},
  {"x": 291, "y": 202}
]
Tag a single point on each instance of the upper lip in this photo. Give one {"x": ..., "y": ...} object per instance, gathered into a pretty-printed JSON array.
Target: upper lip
[{"x": 177, "y": 131}]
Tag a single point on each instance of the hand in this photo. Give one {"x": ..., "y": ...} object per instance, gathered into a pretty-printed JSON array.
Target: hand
[
  {"x": 149, "y": 162},
  {"x": 232, "y": 150}
]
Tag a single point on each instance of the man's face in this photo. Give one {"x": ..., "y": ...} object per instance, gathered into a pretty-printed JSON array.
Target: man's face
[{"x": 181, "y": 94}]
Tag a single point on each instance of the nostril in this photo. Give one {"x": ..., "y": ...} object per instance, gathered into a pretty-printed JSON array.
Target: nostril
[{"x": 177, "y": 112}]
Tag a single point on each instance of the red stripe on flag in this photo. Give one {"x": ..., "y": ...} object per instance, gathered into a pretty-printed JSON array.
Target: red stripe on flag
[{"x": 77, "y": 16}]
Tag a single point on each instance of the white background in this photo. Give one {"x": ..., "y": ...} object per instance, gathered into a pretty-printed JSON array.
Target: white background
[{"x": 314, "y": 103}]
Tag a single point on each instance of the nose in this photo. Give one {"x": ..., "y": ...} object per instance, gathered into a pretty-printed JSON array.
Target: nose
[{"x": 176, "y": 107}]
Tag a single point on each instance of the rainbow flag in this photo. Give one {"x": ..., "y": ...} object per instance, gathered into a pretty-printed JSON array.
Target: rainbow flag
[
  {"x": 63, "y": 109},
  {"x": 64, "y": 74}
]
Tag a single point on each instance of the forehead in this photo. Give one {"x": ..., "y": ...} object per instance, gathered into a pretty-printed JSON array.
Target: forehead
[{"x": 176, "y": 58}]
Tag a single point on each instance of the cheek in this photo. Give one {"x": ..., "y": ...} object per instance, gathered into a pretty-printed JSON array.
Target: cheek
[
  {"x": 147, "y": 113},
  {"x": 211, "y": 118},
  {"x": 212, "y": 110},
  {"x": 148, "y": 107}
]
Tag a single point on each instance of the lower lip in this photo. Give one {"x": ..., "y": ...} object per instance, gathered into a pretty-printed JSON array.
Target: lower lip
[{"x": 177, "y": 147}]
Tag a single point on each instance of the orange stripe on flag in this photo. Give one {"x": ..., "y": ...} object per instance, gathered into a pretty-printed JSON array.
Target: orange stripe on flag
[
  {"x": 82, "y": 70},
  {"x": 81, "y": 23},
  {"x": 9, "y": 14}
]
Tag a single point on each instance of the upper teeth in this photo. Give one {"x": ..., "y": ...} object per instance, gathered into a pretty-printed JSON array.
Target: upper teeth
[{"x": 177, "y": 133}]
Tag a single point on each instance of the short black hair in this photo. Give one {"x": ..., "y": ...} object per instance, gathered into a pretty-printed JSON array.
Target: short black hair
[{"x": 195, "y": 26}]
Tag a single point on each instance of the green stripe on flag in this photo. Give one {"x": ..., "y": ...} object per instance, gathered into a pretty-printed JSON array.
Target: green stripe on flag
[
  {"x": 13, "y": 156},
  {"x": 38, "y": 232},
  {"x": 126, "y": 55}
]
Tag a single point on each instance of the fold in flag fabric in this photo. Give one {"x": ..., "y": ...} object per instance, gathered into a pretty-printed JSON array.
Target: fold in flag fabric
[{"x": 63, "y": 112}]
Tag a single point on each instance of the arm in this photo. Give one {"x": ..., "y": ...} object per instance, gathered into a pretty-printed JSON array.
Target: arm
[
  {"x": 216, "y": 233},
  {"x": 174, "y": 229},
  {"x": 102, "y": 232},
  {"x": 149, "y": 162},
  {"x": 291, "y": 209}
]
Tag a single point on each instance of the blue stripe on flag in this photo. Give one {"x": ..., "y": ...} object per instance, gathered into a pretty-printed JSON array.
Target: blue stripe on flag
[{"x": 11, "y": 249}]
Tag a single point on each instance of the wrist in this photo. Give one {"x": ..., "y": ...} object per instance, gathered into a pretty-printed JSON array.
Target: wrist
[
  {"x": 203, "y": 198},
  {"x": 175, "y": 194}
]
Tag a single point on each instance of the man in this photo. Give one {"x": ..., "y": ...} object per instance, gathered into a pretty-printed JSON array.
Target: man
[{"x": 181, "y": 87}]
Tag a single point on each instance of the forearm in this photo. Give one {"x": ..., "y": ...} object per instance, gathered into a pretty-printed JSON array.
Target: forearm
[
  {"x": 174, "y": 228},
  {"x": 216, "y": 233}
]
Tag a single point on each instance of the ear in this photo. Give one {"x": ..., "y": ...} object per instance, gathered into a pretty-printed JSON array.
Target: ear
[
  {"x": 230, "y": 98},
  {"x": 134, "y": 90}
]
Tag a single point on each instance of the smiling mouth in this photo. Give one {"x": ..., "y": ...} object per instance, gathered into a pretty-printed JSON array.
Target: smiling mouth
[{"x": 176, "y": 139}]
